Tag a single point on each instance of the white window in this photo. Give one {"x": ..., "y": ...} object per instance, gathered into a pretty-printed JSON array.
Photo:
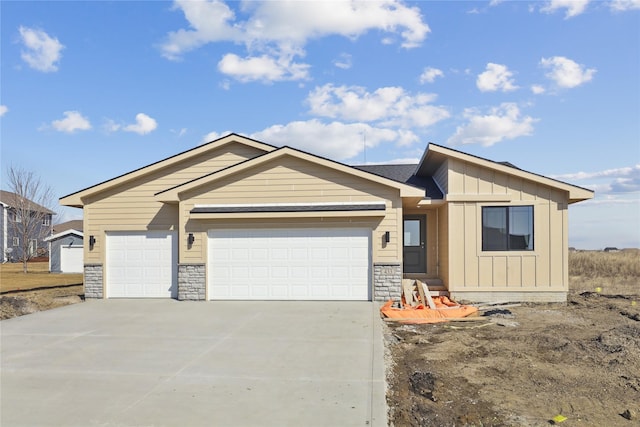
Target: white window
[
  {"x": 16, "y": 241},
  {"x": 46, "y": 221},
  {"x": 33, "y": 246},
  {"x": 18, "y": 217}
]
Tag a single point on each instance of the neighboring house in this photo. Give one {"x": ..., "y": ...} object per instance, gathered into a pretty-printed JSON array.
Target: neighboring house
[
  {"x": 66, "y": 248},
  {"x": 611, "y": 249},
  {"x": 240, "y": 219},
  {"x": 11, "y": 245}
]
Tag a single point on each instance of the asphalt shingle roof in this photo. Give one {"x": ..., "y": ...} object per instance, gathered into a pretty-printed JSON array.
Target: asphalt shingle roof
[
  {"x": 405, "y": 174},
  {"x": 9, "y": 199}
]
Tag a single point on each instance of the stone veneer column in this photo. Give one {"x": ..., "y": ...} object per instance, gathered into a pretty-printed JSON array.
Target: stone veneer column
[
  {"x": 387, "y": 281},
  {"x": 93, "y": 284},
  {"x": 191, "y": 282}
]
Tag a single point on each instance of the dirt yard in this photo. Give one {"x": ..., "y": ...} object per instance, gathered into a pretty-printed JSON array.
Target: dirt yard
[
  {"x": 524, "y": 365},
  {"x": 26, "y": 302}
]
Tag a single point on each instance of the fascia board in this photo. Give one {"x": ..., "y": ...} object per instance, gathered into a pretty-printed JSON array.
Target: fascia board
[
  {"x": 172, "y": 195},
  {"x": 75, "y": 199}
]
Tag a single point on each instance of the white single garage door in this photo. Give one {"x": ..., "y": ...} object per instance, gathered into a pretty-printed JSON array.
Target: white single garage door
[
  {"x": 71, "y": 259},
  {"x": 141, "y": 264},
  {"x": 290, "y": 264}
]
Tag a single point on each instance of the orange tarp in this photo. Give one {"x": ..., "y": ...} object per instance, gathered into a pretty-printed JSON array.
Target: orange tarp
[{"x": 445, "y": 310}]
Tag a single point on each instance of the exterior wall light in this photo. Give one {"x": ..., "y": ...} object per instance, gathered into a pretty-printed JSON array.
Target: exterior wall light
[
  {"x": 387, "y": 236},
  {"x": 92, "y": 241},
  {"x": 191, "y": 239}
]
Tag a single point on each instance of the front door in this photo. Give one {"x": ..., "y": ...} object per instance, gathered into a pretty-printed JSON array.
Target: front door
[{"x": 414, "y": 249}]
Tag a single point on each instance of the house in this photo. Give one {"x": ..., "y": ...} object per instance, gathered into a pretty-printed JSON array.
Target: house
[
  {"x": 66, "y": 248},
  {"x": 20, "y": 217},
  {"x": 240, "y": 219}
]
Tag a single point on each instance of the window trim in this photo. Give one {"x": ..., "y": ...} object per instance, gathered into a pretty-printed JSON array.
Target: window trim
[
  {"x": 508, "y": 214},
  {"x": 46, "y": 221},
  {"x": 16, "y": 241}
]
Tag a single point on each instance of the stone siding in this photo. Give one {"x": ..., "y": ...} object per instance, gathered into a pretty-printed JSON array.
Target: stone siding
[
  {"x": 191, "y": 282},
  {"x": 93, "y": 284},
  {"x": 387, "y": 281}
]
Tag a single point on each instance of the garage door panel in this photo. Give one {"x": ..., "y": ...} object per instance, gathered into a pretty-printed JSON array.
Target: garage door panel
[
  {"x": 298, "y": 264},
  {"x": 141, "y": 265},
  {"x": 71, "y": 259}
]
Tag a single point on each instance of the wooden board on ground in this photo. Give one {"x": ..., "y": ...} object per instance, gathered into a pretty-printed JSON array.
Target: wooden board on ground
[
  {"x": 425, "y": 296},
  {"x": 407, "y": 290}
]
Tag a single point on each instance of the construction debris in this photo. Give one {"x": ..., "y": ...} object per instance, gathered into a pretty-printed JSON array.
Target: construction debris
[{"x": 418, "y": 306}]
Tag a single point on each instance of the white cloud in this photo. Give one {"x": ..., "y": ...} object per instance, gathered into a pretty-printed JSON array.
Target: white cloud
[
  {"x": 213, "y": 135},
  {"x": 338, "y": 141},
  {"x": 390, "y": 106},
  {"x": 72, "y": 122},
  {"x": 503, "y": 122},
  {"x": 179, "y": 132},
  {"x": 3, "y": 110},
  {"x": 43, "y": 52},
  {"x": 573, "y": 7},
  {"x": 262, "y": 68},
  {"x": 625, "y": 180},
  {"x": 401, "y": 161},
  {"x": 274, "y": 33},
  {"x": 538, "y": 89},
  {"x": 617, "y": 172},
  {"x": 111, "y": 126},
  {"x": 430, "y": 74},
  {"x": 565, "y": 72},
  {"x": 143, "y": 125},
  {"x": 624, "y": 5},
  {"x": 496, "y": 77},
  {"x": 344, "y": 61}
]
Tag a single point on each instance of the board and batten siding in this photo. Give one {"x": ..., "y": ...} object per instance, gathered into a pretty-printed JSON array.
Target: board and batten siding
[
  {"x": 292, "y": 180},
  {"x": 441, "y": 177},
  {"x": 132, "y": 206},
  {"x": 472, "y": 270}
]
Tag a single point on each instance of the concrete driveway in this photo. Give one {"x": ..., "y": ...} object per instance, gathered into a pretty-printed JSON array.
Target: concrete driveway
[{"x": 171, "y": 363}]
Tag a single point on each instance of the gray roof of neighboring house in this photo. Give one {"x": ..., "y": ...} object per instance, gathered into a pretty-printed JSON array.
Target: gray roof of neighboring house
[
  {"x": 9, "y": 199},
  {"x": 405, "y": 174},
  {"x": 75, "y": 224}
]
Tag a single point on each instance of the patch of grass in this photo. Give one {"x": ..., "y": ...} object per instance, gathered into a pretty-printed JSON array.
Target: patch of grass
[
  {"x": 12, "y": 278},
  {"x": 606, "y": 272},
  {"x": 605, "y": 264}
]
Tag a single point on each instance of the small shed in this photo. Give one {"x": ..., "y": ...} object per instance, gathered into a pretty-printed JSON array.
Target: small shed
[{"x": 66, "y": 248}]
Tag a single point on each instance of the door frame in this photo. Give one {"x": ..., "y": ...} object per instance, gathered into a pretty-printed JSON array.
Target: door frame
[{"x": 420, "y": 249}]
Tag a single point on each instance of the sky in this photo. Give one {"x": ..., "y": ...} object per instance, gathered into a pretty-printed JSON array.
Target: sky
[{"x": 90, "y": 90}]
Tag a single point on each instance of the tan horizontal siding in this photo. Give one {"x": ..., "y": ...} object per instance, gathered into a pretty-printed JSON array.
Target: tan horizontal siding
[
  {"x": 132, "y": 206},
  {"x": 290, "y": 180}
]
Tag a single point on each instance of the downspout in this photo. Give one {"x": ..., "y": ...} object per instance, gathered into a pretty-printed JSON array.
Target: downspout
[{"x": 5, "y": 213}]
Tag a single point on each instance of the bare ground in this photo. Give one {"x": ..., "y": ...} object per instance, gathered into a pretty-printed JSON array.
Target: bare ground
[
  {"x": 523, "y": 366},
  {"x": 14, "y": 304}
]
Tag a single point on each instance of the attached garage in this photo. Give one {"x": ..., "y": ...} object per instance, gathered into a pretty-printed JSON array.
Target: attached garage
[
  {"x": 290, "y": 264},
  {"x": 141, "y": 264}
]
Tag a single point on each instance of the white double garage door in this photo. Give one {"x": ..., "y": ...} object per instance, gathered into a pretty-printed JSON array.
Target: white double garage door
[{"x": 248, "y": 264}]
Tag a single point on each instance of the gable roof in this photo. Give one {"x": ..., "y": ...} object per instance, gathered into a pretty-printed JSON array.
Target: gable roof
[
  {"x": 65, "y": 233},
  {"x": 406, "y": 174},
  {"x": 435, "y": 155},
  {"x": 75, "y": 224},
  {"x": 8, "y": 199},
  {"x": 172, "y": 194},
  {"x": 74, "y": 199}
]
